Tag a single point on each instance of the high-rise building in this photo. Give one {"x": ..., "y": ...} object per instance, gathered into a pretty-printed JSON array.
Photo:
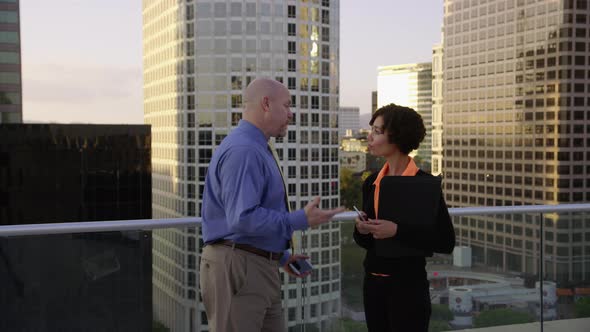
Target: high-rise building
[
  {"x": 373, "y": 101},
  {"x": 410, "y": 85},
  {"x": 10, "y": 64},
  {"x": 437, "y": 100},
  {"x": 198, "y": 57},
  {"x": 348, "y": 119},
  {"x": 516, "y": 126},
  {"x": 83, "y": 281}
]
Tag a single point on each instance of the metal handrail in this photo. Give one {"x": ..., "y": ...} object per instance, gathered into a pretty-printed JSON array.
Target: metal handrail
[{"x": 148, "y": 224}]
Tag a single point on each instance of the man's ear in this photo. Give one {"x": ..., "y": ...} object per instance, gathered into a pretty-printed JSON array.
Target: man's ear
[{"x": 265, "y": 101}]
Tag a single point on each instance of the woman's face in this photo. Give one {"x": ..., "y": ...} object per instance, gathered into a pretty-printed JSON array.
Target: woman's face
[{"x": 378, "y": 143}]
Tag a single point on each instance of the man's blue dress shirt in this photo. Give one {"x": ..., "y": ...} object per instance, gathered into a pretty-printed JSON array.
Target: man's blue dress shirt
[{"x": 244, "y": 196}]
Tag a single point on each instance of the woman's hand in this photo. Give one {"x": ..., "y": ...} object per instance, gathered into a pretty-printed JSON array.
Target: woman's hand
[
  {"x": 361, "y": 225},
  {"x": 381, "y": 229}
]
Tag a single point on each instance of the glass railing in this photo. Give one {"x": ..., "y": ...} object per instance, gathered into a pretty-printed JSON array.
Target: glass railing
[
  {"x": 76, "y": 282},
  {"x": 71, "y": 276},
  {"x": 495, "y": 276}
]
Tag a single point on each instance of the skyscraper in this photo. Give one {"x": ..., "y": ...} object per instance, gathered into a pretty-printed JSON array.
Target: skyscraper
[
  {"x": 348, "y": 118},
  {"x": 410, "y": 85},
  {"x": 10, "y": 67},
  {"x": 516, "y": 127},
  {"x": 437, "y": 100},
  {"x": 198, "y": 57}
]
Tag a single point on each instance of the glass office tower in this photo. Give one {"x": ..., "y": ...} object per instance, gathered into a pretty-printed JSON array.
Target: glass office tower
[
  {"x": 516, "y": 125},
  {"x": 10, "y": 64},
  {"x": 198, "y": 57}
]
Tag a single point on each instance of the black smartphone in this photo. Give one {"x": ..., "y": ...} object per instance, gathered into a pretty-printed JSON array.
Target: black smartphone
[
  {"x": 301, "y": 266},
  {"x": 361, "y": 217}
]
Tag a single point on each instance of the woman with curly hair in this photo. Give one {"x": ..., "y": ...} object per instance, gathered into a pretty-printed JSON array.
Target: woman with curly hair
[{"x": 396, "y": 291}]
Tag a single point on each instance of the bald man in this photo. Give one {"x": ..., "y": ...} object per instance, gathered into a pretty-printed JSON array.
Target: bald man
[{"x": 247, "y": 225}]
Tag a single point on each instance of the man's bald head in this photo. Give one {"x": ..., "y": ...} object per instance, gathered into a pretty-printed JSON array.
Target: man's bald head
[
  {"x": 258, "y": 89},
  {"x": 267, "y": 105}
]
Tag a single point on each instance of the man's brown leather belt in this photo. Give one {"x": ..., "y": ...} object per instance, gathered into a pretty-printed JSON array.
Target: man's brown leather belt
[{"x": 246, "y": 247}]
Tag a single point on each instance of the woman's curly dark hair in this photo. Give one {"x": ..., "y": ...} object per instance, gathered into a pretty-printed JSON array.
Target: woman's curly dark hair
[{"x": 403, "y": 125}]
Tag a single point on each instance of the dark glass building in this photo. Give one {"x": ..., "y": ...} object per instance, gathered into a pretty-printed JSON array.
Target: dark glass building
[
  {"x": 10, "y": 63},
  {"x": 74, "y": 173}
]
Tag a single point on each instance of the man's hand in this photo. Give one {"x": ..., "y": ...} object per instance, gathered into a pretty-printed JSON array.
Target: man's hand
[
  {"x": 292, "y": 273},
  {"x": 361, "y": 225},
  {"x": 381, "y": 229},
  {"x": 316, "y": 216}
]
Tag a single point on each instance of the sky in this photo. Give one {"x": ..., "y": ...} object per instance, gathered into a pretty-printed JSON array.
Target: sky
[{"x": 82, "y": 59}]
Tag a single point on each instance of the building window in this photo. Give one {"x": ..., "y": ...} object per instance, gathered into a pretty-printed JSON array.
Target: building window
[
  {"x": 291, "y": 65},
  {"x": 292, "y": 47},
  {"x": 291, "y": 12},
  {"x": 325, "y": 34},
  {"x": 291, "y": 31},
  {"x": 303, "y": 102},
  {"x": 204, "y": 156},
  {"x": 291, "y": 83},
  {"x": 292, "y": 172},
  {"x": 326, "y": 16},
  {"x": 236, "y": 101},
  {"x": 292, "y": 136},
  {"x": 315, "y": 102},
  {"x": 205, "y": 138},
  {"x": 235, "y": 118},
  {"x": 236, "y": 83}
]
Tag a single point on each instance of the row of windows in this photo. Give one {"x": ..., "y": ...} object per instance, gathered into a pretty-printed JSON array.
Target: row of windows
[
  {"x": 564, "y": 223},
  {"x": 531, "y": 143},
  {"x": 206, "y": 138},
  {"x": 520, "y": 196},
  {"x": 511, "y": 229},
  {"x": 8, "y": 17},
  {"x": 10, "y": 98},
  {"x": 517, "y": 167},
  {"x": 493, "y": 75},
  {"x": 219, "y": 120},
  {"x": 9, "y": 37},
  {"x": 556, "y": 130},
  {"x": 480, "y": 8},
  {"x": 327, "y": 189},
  {"x": 207, "y": 81},
  {"x": 223, "y": 101},
  {"x": 521, "y": 65},
  {"x": 516, "y": 156},
  {"x": 305, "y": 83},
  {"x": 305, "y": 172},
  {"x": 507, "y": 190},
  {"x": 518, "y": 243}
]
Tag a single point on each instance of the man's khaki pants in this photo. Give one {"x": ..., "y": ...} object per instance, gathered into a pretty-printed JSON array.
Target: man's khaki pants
[{"x": 241, "y": 291}]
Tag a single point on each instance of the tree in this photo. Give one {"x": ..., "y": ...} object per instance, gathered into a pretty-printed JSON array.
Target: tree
[
  {"x": 582, "y": 307},
  {"x": 499, "y": 317},
  {"x": 350, "y": 188}
]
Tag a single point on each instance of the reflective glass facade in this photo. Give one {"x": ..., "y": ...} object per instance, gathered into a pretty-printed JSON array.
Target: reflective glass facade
[
  {"x": 516, "y": 125},
  {"x": 75, "y": 282},
  {"x": 198, "y": 57},
  {"x": 10, "y": 63}
]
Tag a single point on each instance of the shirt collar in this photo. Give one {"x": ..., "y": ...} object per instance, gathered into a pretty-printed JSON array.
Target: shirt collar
[
  {"x": 411, "y": 170},
  {"x": 253, "y": 132}
]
